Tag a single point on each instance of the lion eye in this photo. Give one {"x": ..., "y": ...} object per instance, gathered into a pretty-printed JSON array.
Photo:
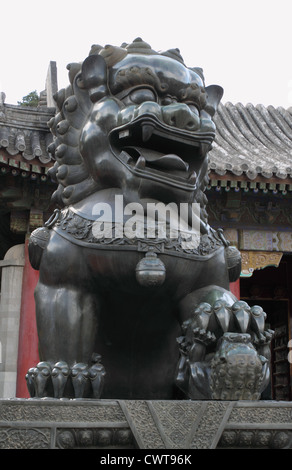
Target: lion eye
[
  {"x": 141, "y": 95},
  {"x": 167, "y": 100}
]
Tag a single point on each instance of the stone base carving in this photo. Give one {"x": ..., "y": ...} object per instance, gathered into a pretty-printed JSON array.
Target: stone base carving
[{"x": 106, "y": 424}]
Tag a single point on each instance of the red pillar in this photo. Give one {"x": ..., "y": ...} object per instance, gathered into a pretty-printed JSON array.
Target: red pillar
[
  {"x": 28, "y": 355},
  {"x": 235, "y": 288}
]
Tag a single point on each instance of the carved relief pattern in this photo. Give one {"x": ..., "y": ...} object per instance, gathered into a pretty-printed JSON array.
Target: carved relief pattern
[
  {"x": 208, "y": 427},
  {"x": 67, "y": 413},
  {"x": 252, "y": 260},
  {"x": 70, "y": 225},
  {"x": 254, "y": 439},
  {"x": 143, "y": 426},
  {"x": 13, "y": 438},
  {"x": 193, "y": 425},
  {"x": 266, "y": 414},
  {"x": 177, "y": 421},
  {"x": 94, "y": 438}
]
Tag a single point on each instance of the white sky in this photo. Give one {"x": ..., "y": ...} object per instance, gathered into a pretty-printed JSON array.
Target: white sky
[{"x": 243, "y": 45}]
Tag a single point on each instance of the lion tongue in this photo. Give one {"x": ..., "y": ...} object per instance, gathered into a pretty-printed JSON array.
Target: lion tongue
[{"x": 159, "y": 160}]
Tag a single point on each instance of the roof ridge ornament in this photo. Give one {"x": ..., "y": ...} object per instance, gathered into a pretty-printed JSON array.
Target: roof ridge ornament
[
  {"x": 2, "y": 102},
  {"x": 2, "y": 98}
]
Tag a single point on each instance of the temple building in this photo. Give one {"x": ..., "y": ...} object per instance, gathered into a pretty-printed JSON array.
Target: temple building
[{"x": 249, "y": 194}]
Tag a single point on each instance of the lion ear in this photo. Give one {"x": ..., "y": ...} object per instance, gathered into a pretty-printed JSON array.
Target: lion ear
[
  {"x": 94, "y": 77},
  {"x": 214, "y": 95}
]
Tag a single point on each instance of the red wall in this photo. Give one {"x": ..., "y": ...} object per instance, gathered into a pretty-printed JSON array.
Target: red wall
[
  {"x": 28, "y": 355},
  {"x": 235, "y": 288}
]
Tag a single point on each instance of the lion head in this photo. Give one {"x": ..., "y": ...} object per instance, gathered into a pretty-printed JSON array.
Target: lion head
[{"x": 134, "y": 119}]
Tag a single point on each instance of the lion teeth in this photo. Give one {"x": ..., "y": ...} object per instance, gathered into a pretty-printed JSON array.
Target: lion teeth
[
  {"x": 204, "y": 148},
  {"x": 192, "y": 178},
  {"x": 141, "y": 163},
  {"x": 127, "y": 158},
  {"x": 147, "y": 132},
  {"x": 124, "y": 134}
]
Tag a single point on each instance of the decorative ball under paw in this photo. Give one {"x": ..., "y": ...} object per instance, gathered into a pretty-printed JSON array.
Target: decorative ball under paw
[{"x": 236, "y": 369}]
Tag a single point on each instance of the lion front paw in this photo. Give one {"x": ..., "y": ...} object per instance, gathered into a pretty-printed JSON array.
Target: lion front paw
[
  {"x": 230, "y": 345},
  {"x": 60, "y": 381}
]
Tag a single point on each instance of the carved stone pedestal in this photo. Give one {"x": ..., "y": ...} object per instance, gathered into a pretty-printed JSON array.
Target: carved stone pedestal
[{"x": 105, "y": 424}]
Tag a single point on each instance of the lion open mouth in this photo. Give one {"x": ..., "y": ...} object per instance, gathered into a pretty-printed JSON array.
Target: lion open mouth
[{"x": 154, "y": 150}]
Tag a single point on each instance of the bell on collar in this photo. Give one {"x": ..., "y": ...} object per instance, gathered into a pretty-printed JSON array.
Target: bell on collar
[{"x": 150, "y": 271}]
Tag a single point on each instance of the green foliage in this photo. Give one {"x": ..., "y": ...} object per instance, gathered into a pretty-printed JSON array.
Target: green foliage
[{"x": 32, "y": 99}]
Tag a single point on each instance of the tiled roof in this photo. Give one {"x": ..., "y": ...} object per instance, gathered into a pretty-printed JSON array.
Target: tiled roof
[
  {"x": 25, "y": 136},
  {"x": 253, "y": 141}
]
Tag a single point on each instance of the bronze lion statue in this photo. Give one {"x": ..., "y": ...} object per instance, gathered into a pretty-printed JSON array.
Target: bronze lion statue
[{"x": 127, "y": 306}]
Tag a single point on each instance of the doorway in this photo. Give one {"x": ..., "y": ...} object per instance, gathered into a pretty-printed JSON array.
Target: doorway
[{"x": 271, "y": 289}]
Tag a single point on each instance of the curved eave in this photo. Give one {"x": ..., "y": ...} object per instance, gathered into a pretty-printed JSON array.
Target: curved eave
[
  {"x": 25, "y": 130},
  {"x": 252, "y": 141}
]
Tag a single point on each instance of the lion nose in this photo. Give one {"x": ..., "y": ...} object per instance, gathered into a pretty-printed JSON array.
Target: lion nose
[{"x": 179, "y": 115}]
